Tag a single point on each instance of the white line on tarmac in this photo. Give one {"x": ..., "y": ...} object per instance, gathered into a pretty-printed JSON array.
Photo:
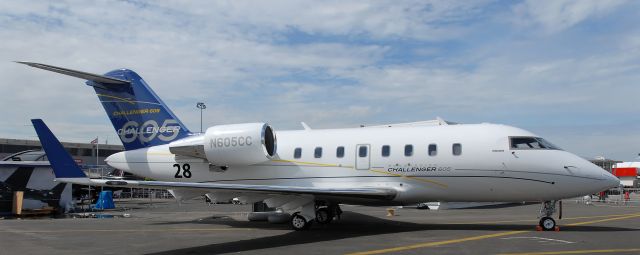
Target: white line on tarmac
[{"x": 537, "y": 238}]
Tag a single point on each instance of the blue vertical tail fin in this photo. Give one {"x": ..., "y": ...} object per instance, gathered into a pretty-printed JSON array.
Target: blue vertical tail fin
[
  {"x": 62, "y": 163},
  {"x": 138, "y": 115}
]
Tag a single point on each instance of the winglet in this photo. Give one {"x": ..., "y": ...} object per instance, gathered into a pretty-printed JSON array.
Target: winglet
[{"x": 63, "y": 165}]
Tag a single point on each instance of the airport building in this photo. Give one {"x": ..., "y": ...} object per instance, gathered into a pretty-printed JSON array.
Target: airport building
[
  {"x": 83, "y": 153},
  {"x": 25, "y": 167},
  {"x": 605, "y": 163}
]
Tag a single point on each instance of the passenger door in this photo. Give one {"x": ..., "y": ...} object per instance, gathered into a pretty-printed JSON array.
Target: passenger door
[{"x": 363, "y": 157}]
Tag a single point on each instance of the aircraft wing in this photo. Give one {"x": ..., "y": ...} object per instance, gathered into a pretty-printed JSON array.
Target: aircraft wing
[
  {"x": 366, "y": 193},
  {"x": 66, "y": 170}
]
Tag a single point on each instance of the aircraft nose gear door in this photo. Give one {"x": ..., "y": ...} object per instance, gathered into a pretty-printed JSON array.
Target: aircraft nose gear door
[{"x": 363, "y": 157}]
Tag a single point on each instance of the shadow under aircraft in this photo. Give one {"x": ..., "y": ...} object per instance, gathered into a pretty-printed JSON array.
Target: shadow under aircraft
[{"x": 353, "y": 225}]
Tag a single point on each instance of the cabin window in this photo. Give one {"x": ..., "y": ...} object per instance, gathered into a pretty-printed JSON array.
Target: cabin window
[
  {"x": 297, "y": 153},
  {"x": 531, "y": 143},
  {"x": 408, "y": 150},
  {"x": 386, "y": 150},
  {"x": 317, "y": 153},
  {"x": 340, "y": 152},
  {"x": 457, "y": 149},
  {"x": 362, "y": 151},
  {"x": 433, "y": 149}
]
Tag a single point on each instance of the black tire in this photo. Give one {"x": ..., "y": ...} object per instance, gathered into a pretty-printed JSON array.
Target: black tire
[
  {"x": 547, "y": 224},
  {"x": 299, "y": 223},
  {"x": 323, "y": 216}
]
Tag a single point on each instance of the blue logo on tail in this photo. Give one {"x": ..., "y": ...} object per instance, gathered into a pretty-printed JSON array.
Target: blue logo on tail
[{"x": 138, "y": 115}]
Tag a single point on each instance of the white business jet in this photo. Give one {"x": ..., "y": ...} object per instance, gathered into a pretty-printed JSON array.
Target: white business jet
[{"x": 309, "y": 172}]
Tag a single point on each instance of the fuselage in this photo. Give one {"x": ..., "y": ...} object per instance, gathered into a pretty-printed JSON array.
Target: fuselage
[{"x": 470, "y": 162}]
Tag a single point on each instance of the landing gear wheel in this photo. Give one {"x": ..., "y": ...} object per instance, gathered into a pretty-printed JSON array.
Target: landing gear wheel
[
  {"x": 547, "y": 224},
  {"x": 299, "y": 223},
  {"x": 323, "y": 216}
]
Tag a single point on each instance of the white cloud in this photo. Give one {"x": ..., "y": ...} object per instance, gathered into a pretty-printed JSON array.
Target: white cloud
[
  {"x": 557, "y": 15},
  {"x": 329, "y": 63},
  {"x": 378, "y": 19}
]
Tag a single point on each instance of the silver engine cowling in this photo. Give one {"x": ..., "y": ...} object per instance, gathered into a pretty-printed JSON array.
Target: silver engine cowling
[{"x": 240, "y": 144}]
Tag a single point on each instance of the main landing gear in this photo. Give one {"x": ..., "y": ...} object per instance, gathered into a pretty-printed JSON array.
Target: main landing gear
[
  {"x": 547, "y": 223},
  {"x": 299, "y": 222},
  {"x": 323, "y": 213}
]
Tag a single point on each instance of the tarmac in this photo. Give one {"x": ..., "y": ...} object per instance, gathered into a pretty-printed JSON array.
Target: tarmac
[{"x": 164, "y": 227}]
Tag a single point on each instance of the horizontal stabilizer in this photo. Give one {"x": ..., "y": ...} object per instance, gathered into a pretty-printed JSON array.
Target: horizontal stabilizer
[
  {"x": 138, "y": 115},
  {"x": 78, "y": 74}
]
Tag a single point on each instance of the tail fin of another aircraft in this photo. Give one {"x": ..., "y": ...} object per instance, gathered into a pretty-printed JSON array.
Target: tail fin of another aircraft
[
  {"x": 138, "y": 115},
  {"x": 64, "y": 167}
]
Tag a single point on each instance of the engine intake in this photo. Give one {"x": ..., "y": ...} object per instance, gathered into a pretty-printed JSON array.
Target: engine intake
[{"x": 240, "y": 144}]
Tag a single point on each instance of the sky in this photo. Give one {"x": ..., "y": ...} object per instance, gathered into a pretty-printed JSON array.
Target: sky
[{"x": 568, "y": 71}]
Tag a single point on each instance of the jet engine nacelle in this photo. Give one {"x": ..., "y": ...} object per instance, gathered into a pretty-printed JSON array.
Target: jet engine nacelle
[{"x": 239, "y": 144}]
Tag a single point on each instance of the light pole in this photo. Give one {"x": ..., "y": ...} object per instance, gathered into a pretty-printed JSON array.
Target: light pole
[{"x": 201, "y": 106}]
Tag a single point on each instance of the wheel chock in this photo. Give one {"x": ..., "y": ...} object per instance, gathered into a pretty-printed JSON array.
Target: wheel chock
[
  {"x": 556, "y": 228},
  {"x": 391, "y": 212}
]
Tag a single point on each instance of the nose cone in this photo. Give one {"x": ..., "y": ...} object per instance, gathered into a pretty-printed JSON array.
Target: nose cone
[
  {"x": 114, "y": 159},
  {"x": 607, "y": 180},
  {"x": 109, "y": 158},
  {"x": 612, "y": 181}
]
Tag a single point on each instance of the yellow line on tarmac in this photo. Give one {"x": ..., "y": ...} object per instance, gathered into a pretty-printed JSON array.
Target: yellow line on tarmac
[
  {"x": 574, "y": 252},
  {"x": 599, "y": 216},
  {"x": 605, "y": 220},
  {"x": 125, "y": 230},
  {"x": 535, "y": 220},
  {"x": 473, "y": 238},
  {"x": 431, "y": 244}
]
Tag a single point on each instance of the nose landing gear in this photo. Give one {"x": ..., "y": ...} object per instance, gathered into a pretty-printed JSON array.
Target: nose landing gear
[{"x": 547, "y": 223}]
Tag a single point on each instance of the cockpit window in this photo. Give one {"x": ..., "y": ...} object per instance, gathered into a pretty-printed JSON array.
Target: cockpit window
[{"x": 531, "y": 143}]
